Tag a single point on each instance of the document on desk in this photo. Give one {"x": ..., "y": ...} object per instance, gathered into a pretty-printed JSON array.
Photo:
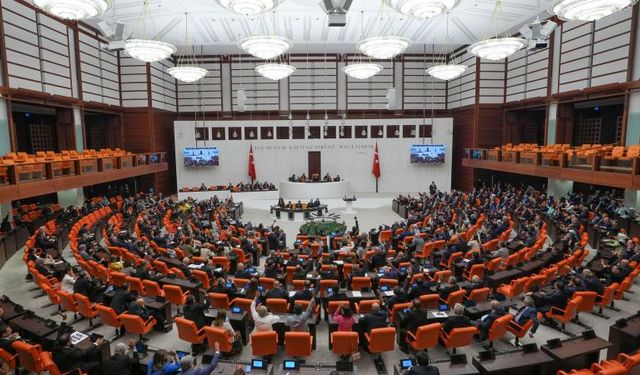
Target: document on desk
[
  {"x": 356, "y": 293},
  {"x": 440, "y": 314},
  {"x": 292, "y": 293},
  {"x": 76, "y": 337},
  {"x": 388, "y": 293},
  {"x": 195, "y": 266}
]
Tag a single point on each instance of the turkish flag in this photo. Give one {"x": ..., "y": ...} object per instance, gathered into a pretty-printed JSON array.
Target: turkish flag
[
  {"x": 376, "y": 163},
  {"x": 252, "y": 165}
]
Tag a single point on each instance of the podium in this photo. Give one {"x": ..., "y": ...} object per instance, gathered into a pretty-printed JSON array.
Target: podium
[{"x": 349, "y": 202}]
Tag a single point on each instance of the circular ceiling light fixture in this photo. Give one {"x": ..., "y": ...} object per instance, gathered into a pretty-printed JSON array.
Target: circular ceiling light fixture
[
  {"x": 74, "y": 9},
  {"x": 187, "y": 74},
  {"x": 587, "y": 10},
  {"x": 250, "y": 7},
  {"x": 187, "y": 69},
  {"x": 383, "y": 47},
  {"x": 265, "y": 47},
  {"x": 497, "y": 48},
  {"x": 275, "y": 71},
  {"x": 447, "y": 71},
  {"x": 421, "y": 8},
  {"x": 362, "y": 70},
  {"x": 148, "y": 50}
]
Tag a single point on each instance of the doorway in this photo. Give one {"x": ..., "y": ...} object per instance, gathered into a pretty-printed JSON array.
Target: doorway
[{"x": 314, "y": 164}]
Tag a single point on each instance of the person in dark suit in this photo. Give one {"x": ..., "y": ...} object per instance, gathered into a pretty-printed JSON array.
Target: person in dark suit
[
  {"x": 69, "y": 358},
  {"x": 83, "y": 284},
  {"x": 241, "y": 272},
  {"x": 195, "y": 311},
  {"x": 451, "y": 286},
  {"x": 414, "y": 319},
  {"x": 591, "y": 282},
  {"x": 399, "y": 296},
  {"x": 423, "y": 367},
  {"x": 304, "y": 294},
  {"x": 377, "y": 318},
  {"x": 277, "y": 291},
  {"x": 527, "y": 312},
  {"x": 7, "y": 337},
  {"x": 486, "y": 321},
  {"x": 336, "y": 295},
  {"x": 119, "y": 363},
  {"x": 221, "y": 287},
  {"x": 558, "y": 298},
  {"x": 457, "y": 320},
  {"x": 419, "y": 288},
  {"x": 122, "y": 297},
  {"x": 137, "y": 308}
]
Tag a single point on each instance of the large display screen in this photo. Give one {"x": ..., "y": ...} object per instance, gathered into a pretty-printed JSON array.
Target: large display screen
[
  {"x": 427, "y": 154},
  {"x": 201, "y": 157}
]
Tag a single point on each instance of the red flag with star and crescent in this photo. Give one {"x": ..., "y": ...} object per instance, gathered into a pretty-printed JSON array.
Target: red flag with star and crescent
[
  {"x": 376, "y": 163},
  {"x": 252, "y": 165}
]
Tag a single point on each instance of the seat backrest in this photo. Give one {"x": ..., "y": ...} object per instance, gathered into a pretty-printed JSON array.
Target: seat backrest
[
  {"x": 332, "y": 306},
  {"x": 219, "y": 300},
  {"x": 135, "y": 284},
  {"x": 430, "y": 301},
  {"x": 427, "y": 335},
  {"x": 84, "y": 305},
  {"x": 29, "y": 355},
  {"x": 49, "y": 364},
  {"x": 480, "y": 295},
  {"x": 264, "y": 343},
  {"x": 277, "y": 305},
  {"x": 132, "y": 323},
  {"x": 66, "y": 301},
  {"x": 588, "y": 300},
  {"x": 243, "y": 303},
  {"x": 397, "y": 308},
  {"x": 219, "y": 335},
  {"x": 108, "y": 315},
  {"x": 382, "y": 339},
  {"x": 151, "y": 288},
  {"x": 174, "y": 294},
  {"x": 344, "y": 342},
  {"x": 203, "y": 277},
  {"x": 572, "y": 307},
  {"x": 607, "y": 295},
  {"x": 267, "y": 283},
  {"x": 460, "y": 337},
  {"x": 455, "y": 297},
  {"x": 360, "y": 283},
  {"x": 298, "y": 344},
  {"x": 499, "y": 327},
  {"x": 364, "y": 306},
  {"x": 477, "y": 270},
  {"x": 187, "y": 330}
]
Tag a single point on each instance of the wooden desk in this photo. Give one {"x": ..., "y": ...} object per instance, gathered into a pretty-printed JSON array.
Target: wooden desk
[
  {"x": 312, "y": 370},
  {"x": 516, "y": 363},
  {"x": 626, "y": 339},
  {"x": 503, "y": 277},
  {"x": 9, "y": 310},
  {"x": 33, "y": 327},
  {"x": 483, "y": 308},
  {"x": 445, "y": 368},
  {"x": 576, "y": 353}
]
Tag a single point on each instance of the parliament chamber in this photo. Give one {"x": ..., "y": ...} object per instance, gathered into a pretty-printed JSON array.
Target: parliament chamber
[{"x": 294, "y": 187}]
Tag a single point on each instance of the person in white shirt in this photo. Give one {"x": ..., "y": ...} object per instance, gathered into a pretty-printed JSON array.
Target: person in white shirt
[
  {"x": 262, "y": 318},
  {"x": 68, "y": 280}
]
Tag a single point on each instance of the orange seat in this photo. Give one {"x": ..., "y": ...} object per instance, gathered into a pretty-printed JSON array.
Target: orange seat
[
  {"x": 175, "y": 295},
  {"x": 203, "y": 277},
  {"x": 85, "y": 307},
  {"x": 298, "y": 344},
  {"x": 188, "y": 331},
  {"x": 430, "y": 301},
  {"x": 588, "y": 301},
  {"x": 426, "y": 337},
  {"x": 458, "y": 337},
  {"x": 152, "y": 289},
  {"x": 8, "y": 358},
  {"x": 360, "y": 283},
  {"x": 52, "y": 368},
  {"x": 623, "y": 362},
  {"x": 332, "y": 306},
  {"x": 30, "y": 356},
  {"x": 135, "y": 284},
  {"x": 267, "y": 283},
  {"x": 117, "y": 278},
  {"x": 427, "y": 249},
  {"x": 221, "y": 336},
  {"x": 514, "y": 289},
  {"x": 499, "y": 328},
  {"x": 219, "y": 301},
  {"x": 68, "y": 303},
  {"x": 453, "y": 258},
  {"x": 381, "y": 340},
  {"x": 243, "y": 303},
  {"x": 108, "y": 316},
  {"x": 479, "y": 295},
  {"x": 277, "y": 305},
  {"x": 475, "y": 270},
  {"x": 344, "y": 343},
  {"x": 519, "y": 331},
  {"x": 364, "y": 306},
  {"x": 454, "y": 297},
  {"x": 397, "y": 308},
  {"x": 566, "y": 315},
  {"x": 606, "y": 298},
  {"x": 134, "y": 324},
  {"x": 264, "y": 343}
]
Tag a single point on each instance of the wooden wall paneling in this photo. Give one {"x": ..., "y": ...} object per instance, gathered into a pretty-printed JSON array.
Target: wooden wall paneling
[
  {"x": 22, "y": 46},
  {"x": 564, "y": 124},
  {"x": 204, "y": 95},
  {"x": 65, "y": 129},
  {"x": 136, "y": 134},
  {"x": 314, "y": 85},
  {"x": 489, "y": 126},
  {"x": 463, "y": 124},
  {"x": 165, "y": 182}
]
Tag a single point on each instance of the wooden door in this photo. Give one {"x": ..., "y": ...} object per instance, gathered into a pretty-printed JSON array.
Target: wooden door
[{"x": 314, "y": 163}]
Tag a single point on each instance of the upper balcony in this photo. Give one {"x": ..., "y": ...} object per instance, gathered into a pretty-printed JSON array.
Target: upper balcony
[
  {"x": 600, "y": 165},
  {"x": 23, "y": 176}
]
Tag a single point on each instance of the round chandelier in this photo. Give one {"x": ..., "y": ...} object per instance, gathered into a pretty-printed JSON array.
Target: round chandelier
[
  {"x": 265, "y": 47},
  {"x": 362, "y": 70},
  {"x": 446, "y": 72},
  {"x": 249, "y": 7},
  {"x": 187, "y": 69},
  {"x": 186, "y": 73},
  {"x": 148, "y": 50},
  {"x": 587, "y": 10},
  {"x": 497, "y": 48},
  {"x": 275, "y": 71},
  {"x": 74, "y": 9},
  {"x": 383, "y": 47},
  {"x": 421, "y": 8}
]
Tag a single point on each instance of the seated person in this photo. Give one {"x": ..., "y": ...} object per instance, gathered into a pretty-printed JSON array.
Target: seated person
[
  {"x": 69, "y": 358},
  {"x": 414, "y": 319},
  {"x": 7, "y": 337},
  {"x": 485, "y": 322},
  {"x": 377, "y": 318},
  {"x": 299, "y": 204},
  {"x": 527, "y": 312},
  {"x": 423, "y": 367},
  {"x": 137, "y": 307},
  {"x": 337, "y": 178},
  {"x": 457, "y": 320},
  {"x": 451, "y": 286},
  {"x": 327, "y": 178}
]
